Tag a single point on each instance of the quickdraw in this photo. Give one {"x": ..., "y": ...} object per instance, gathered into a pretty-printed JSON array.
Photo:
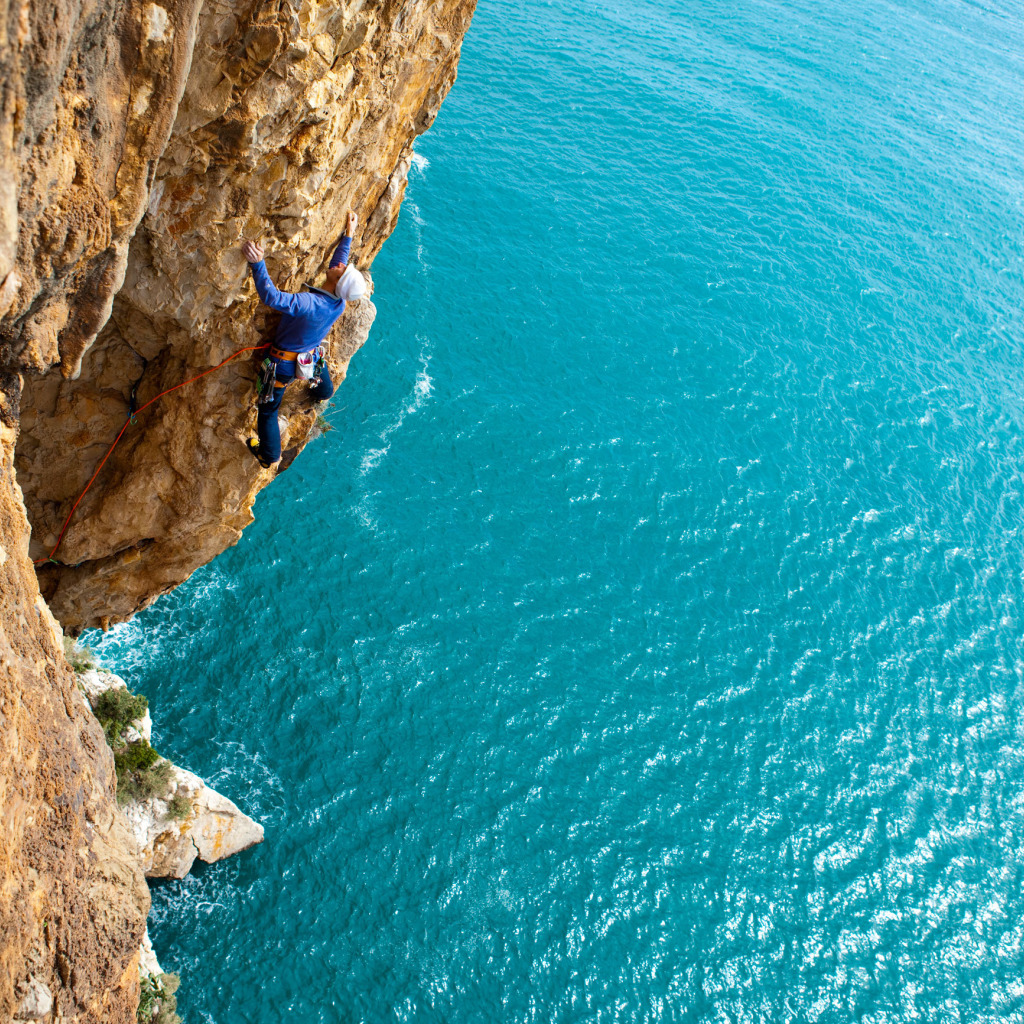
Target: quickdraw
[
  {"x": 265, "y": 382},
  {"x": 318, "y": 370}
]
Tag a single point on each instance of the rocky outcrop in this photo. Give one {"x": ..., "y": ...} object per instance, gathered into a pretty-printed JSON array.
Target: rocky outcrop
[
  {"x": 213, "y": 828},
  {"x": 73, "y": 900},
  {"x": 35, "y": 1000},
  {"x": 187, "y": 818},
  {"x": 292, "y": 113}
]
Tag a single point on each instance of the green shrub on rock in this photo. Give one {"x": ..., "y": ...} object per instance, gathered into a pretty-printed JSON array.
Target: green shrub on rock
[
  {"x": 141, "y": 772},
  {"x": 149, "y": 999},
  {"x": 157, "y": 1003},
  {"x": 179, "y": 807},
  {"x": 117, "y": 709},
  {"x": 81, "y": 659},
  {"x": 321, "y": 426},
  {"x": 135, "y": 757}
]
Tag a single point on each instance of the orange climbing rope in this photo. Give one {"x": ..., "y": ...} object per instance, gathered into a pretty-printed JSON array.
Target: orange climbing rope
[{"x": 127, "y": 422}]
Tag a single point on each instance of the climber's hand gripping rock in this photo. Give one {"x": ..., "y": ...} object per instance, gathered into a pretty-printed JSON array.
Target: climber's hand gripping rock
[{"x": 252, "y": 251}]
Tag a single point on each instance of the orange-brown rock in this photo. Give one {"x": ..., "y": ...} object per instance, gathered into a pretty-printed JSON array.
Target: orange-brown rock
[
  {"x": 88, "y": 94},
  {"x": 292, "y": 114},
  {"x": 73, "y": 899}
]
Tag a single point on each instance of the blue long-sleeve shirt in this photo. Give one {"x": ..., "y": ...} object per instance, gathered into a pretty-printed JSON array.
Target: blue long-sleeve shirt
[
  {"x": 341, "y": 254},
  {"x": 306, "y": 317}
]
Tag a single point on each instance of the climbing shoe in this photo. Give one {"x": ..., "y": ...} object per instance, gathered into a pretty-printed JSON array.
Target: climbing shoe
[{"x": 253, "y": 444}]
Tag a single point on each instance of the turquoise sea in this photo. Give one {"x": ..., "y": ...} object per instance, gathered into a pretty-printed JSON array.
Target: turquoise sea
[{"x": 646, "y": 640}]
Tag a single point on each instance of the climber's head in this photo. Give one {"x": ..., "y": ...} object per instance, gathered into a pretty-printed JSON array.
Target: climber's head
[
  {"x": 346, "y": 283},
  {"x": 333, "y": 276}
]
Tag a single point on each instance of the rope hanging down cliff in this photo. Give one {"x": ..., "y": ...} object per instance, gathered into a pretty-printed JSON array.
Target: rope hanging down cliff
[{"x": 132, "y": 414}]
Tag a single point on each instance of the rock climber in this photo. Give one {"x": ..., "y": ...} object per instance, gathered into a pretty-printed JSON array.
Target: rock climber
[{"x": 306, "y": 319}]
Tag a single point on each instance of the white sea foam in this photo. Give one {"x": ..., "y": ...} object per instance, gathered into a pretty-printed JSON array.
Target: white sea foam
[
  {"x": 422, "y": 389},
  {"x": 365, "y": 516}
]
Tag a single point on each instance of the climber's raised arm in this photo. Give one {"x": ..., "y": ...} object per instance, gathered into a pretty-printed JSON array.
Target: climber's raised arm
[
  {"x": 341, "y": 254},
  {"x": 295, "y": 304}
]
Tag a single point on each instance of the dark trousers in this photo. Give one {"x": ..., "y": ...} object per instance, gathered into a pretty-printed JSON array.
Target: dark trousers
[{"x": 267, "y": 427}]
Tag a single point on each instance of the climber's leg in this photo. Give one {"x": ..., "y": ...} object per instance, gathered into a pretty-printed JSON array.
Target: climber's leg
[{"x": 267, "y": 426}]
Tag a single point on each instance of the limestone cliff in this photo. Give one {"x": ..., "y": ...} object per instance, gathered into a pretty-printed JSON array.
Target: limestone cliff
[
  {"x": 292, "y": 113},
  {"x": 139, "y": 143}
]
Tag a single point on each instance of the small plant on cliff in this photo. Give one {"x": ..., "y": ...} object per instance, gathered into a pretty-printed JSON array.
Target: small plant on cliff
[
  {"x": 321, "y": 426},
  {"x": 157, "y": 1002},
  {"x": 81, "y": 659},
  {"x": 149, "y": 999},
  {"x": 117, "y": 709},
  {"x": 179, "y": 807},
  {"x": 141, "y": 772}
]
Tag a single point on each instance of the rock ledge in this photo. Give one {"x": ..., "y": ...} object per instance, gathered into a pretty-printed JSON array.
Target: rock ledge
[{"x": 190, "y": 819}]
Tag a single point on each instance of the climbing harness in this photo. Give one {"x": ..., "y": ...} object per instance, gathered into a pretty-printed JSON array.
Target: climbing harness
[
  {"x": 308, "y": 366},
  {"x": 133, "y": 413}
]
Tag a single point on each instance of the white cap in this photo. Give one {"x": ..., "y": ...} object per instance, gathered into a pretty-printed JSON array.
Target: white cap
[{"x": 351, "y": 285}]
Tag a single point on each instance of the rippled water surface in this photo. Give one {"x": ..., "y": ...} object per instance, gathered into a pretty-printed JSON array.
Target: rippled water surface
[{"x": 644, "y": 643}]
